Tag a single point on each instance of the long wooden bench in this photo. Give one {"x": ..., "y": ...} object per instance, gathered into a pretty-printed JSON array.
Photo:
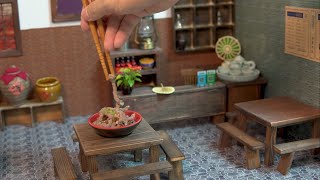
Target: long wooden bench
[
  {"x": 251, "y": 145},
  {"x": 287, "y": 150},
  {"x": 173, "y": 155},
  {"x": 127, "y": 173},
  {"x": 62, "y": 164}
]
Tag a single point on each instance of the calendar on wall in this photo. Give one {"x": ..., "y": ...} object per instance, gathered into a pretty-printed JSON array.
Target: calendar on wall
[{"x": 302, "y": 32}]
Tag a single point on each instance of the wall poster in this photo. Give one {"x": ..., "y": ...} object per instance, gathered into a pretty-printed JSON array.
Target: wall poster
[{"x": 302, "y": 32}]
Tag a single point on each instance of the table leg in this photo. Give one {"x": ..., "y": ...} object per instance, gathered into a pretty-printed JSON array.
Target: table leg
[
  {"x": 316, "y": 134},
  {"x": 83, "y": 160},
  {"x": 92, "y": 164},
  {"x": 241, "y": 122},
  {"x": 271, "y": 136},
  {"x": 154, "y": 157},
  {"x": 138, "y": 155}
]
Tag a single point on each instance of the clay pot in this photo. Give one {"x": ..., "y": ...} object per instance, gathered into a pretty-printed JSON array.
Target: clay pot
[
  {"x": 15, "y": 86},
  {"x": 48, "y": 89}
]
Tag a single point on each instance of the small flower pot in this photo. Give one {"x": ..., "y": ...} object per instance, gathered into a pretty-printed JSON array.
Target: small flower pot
[
  {"x": 48, "y": 89},
  {"x": 126, "y": 90}
]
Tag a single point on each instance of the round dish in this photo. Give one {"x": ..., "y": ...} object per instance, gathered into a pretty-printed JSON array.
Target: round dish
[
  {"x": 115, "y": 132},
  {"x": 163, "y": 90},
  {"x": 239, "y": 78}
]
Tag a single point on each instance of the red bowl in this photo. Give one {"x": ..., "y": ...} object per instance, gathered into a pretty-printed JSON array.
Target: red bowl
[{"x": 118, "y": 131}]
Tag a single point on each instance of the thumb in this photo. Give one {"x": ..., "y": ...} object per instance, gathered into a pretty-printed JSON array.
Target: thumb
[{"x": 97, "y": 9}]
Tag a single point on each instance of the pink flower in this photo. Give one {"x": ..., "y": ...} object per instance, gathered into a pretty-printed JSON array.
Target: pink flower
[{"x": 16, "y": 87}]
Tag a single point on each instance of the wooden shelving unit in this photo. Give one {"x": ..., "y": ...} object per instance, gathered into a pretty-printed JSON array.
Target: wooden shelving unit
[
  {"x": 200, "y": 23},
  {"x": 149, "y": 76},
  {"x": 31, "y": 112}
]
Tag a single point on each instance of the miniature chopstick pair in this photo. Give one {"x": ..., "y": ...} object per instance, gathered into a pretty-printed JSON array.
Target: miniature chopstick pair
[{"x": 95, "y": 27}]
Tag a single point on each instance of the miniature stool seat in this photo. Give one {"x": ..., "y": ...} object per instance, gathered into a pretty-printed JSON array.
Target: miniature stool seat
[
  {"x": 173, "y": 155},
  {"x": 62, "y": 164},
  {"x": 287, "y": 150},
  {"x": 252, "y": 146}
]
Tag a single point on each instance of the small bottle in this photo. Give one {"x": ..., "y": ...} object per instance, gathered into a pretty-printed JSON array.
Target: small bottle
[
  {"x": 133, "y": 61},
  {"x": 117, "y": 63},
  {"x": 219, "y": 18},
  {"x": 128, "y": 63},
  {"x": 122, "y": 63}
]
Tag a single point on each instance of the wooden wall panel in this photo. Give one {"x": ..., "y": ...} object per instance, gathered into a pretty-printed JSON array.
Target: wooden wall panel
[{"x": 69, "y": 54}]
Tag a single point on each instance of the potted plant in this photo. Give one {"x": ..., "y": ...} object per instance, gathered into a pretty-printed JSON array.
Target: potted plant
[{"x": 126, "y": 79}]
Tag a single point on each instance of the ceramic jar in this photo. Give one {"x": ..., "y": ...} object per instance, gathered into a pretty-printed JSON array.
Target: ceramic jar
[
  {"x": 15, "y": 86},
  {"x": 48, "y": 89}
]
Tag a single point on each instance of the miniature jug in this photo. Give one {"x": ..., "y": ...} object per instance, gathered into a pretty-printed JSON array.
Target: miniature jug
[{"x": 15, "y": 86}]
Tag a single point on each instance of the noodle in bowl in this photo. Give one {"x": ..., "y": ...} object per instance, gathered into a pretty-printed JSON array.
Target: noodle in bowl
[{"x": 120, "y": 130}]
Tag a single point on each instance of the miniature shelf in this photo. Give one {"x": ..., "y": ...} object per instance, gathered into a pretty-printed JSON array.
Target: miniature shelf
[
  {"x": 31, "y": 112},
  {"x": 148, "y": 75},
  {"x": 198, "y": 24}
]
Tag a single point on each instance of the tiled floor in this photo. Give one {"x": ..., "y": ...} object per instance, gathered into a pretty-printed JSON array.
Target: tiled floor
[{"x": 25, "y": 153}]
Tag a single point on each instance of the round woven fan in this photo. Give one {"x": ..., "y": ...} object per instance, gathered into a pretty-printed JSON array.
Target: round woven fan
[{"x": 228, "y": 47}]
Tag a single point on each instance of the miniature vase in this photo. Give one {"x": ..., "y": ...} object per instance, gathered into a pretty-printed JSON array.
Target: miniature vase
[
  {"x": 15, "y": 86},
  {"x": 48, "y": 89}
]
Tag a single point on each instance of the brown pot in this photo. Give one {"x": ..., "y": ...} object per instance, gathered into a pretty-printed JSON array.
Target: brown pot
[{"x": 48, "y": 89}]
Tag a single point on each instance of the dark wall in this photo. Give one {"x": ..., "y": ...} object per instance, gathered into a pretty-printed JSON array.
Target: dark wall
[
  {"x": 69, "y": 54},
  {"x": 260, "y": 28}
]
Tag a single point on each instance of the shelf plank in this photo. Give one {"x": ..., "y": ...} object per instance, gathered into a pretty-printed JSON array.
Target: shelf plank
[
  {"x": 225, "y": 25},
  {"x": 204, "y": 26},
  {"x": 148, "y": 71},
  {"x": 184, "y": 6},
  {"x": 134, "y": 52},
  {"x": 184, "y": 28},
  {"x": 30, "y": 104},
  {"x": 225, "y": 3},
  {"x": 205, "y": 5}
]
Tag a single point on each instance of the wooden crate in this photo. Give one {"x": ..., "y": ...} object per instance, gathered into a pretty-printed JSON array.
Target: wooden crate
[
  {"x": 31, "y": 112},
  {"x": 186, "y": 102}
]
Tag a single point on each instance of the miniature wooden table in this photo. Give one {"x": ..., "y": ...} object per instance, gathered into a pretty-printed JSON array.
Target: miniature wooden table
[
  {"x": 274, "y": 113},
  {"x": 92, "y": 144}
]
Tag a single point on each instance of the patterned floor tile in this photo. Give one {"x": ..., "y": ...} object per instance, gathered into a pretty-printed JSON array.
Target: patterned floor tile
[{"x": 25, "y": 153}]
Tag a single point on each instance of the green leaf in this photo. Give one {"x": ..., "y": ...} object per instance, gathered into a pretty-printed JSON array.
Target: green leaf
[
  {"x": 119, "y": 82},
  {"x": 131, "y": 83},
  {"x": 119, "y": 76},
  {"x": 139, "y": 80}
]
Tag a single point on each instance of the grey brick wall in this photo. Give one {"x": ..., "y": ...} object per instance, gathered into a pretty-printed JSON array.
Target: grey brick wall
[{"x": 260, "y": 29}]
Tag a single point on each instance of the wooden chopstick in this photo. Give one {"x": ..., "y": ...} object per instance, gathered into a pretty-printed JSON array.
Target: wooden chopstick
[{"x": 93, "y": 29}]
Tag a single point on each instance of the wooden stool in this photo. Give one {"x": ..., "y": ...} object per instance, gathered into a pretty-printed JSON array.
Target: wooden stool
[
  {"x": 62, "y": 164},
  {"x": 127, "y": 173},
  {"x": 252, "y": 146},
  {"x": 287, "y": 150},
  {"x": 174, "y": 156}
]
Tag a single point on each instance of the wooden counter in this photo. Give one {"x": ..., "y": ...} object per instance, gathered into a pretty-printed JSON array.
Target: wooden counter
[{"x": 186, "y": 102}]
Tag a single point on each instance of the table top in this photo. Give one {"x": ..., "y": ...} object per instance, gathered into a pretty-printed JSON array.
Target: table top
[
  {"x": 278, "y": 111},
  {"x": 143, "y": 136}
]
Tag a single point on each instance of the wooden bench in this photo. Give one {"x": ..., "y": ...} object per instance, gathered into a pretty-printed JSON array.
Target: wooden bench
[
  {"x": 62, "y": 164},
  {"x": 287, "y": 150},
  {"x": 173, "y": 155},
  {"x": 127, "y": 173},
  {"x": 251, "y": 145}
]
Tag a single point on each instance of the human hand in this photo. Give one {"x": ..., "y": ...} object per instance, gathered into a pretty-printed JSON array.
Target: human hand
[{"x": 120, "y": 17}]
